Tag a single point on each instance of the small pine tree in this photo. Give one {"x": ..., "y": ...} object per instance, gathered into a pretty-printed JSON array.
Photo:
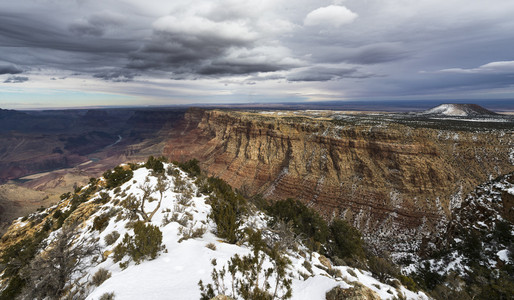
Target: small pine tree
[
  {"x": 227, "y": 208},
  {"x": 117, "y": 177},
  {"x": 346, "y": 240},
  {"x": 145, "y": 244},
  {"x": 155, "y": 164}
]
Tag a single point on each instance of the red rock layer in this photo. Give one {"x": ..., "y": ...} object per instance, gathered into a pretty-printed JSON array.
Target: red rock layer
[{"x": 392, "y": 181}]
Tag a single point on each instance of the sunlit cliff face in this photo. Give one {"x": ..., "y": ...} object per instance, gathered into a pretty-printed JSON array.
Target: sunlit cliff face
[{"x": 384, "y": 177}]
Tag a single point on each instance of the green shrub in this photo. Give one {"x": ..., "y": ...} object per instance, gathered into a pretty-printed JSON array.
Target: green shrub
[
  {"x": 107, "y": 296},
  {"x": 111, "y": 238},
  {"x": 104, "y": 198},
  {"x": 227, "y": 208},
  {"x": 472, "y": 247},
  {"x": 57, "y": 214},
  {"x": 345, "y": 241},
  {"x": 191, "y": 233},
  {"x": 117, "y": 177},
  {"x": 62, "y": 218},
  {"x": 427, "y": 278},
  {"x": 408, "y": 282},
  {"x": 145, "y": 244},
  {"x": 14, "y": 288},
  {"x": 101, "y": 222},
  {"x": 304, "y": 220},
  {"x": 155, "y": 164},
  {"x": 503, "y": 233},
  {"x": 100, "y": 276},
  {"x": 191, "y": 167},
  {"x": 250, "y": 280},
  {"x": 382, "y": 268},
  {"x": 83, "y": 196}
]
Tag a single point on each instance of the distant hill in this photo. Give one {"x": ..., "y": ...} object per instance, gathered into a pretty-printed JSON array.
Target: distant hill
[{"x": 459, "y": 110}]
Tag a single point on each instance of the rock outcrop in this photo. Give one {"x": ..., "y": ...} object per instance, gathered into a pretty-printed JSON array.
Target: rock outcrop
[{"x": 396, "y": 183}]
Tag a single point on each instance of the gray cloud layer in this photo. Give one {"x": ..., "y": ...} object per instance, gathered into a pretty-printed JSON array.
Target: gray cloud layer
[
  {"x": 9, "y": 69},
  {"x": 16, "y": 79},
  {"x": 380, "y": 47}
]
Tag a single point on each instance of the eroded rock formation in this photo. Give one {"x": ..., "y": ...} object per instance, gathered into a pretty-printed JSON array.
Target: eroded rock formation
[{"x": 396, "y": 183}]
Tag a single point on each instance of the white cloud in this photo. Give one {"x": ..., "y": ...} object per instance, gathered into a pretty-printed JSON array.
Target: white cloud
[
  {"x": 199, "y": 26},
  {"x": 332, "y": 15},
  {"x": 496, "y": 67}
]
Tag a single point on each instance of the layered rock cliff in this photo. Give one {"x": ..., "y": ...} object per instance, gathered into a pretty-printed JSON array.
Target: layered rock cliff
[{"x": 396, "y": 182}]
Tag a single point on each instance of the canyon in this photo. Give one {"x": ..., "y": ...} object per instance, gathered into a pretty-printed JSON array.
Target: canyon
[
  {"x": 396, "y": 178},
  {"x": 44, "y": 154}
]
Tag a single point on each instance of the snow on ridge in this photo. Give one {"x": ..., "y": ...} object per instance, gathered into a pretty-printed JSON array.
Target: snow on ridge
[{"x": 175, "y": 273}]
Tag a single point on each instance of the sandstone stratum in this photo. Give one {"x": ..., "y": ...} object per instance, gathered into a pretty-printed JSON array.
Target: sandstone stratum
[{"x": 396, "y": 178}]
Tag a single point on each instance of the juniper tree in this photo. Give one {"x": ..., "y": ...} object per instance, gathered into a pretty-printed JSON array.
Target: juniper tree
[
  {"x": 49, "y": 274},
  {"x": 137, "y": 205}
]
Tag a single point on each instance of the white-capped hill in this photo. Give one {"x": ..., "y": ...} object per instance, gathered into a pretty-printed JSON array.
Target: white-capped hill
[{"x": 459, "y": 110}]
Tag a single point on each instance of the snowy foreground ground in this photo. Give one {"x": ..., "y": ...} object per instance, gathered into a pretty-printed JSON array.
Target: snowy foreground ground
[{"x": 175, "y": 273}]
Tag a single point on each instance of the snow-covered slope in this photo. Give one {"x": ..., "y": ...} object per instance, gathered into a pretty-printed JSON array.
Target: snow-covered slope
[
  {"x": 175, "y": 273},
  {"x": 478, "y": 242},
  {"x": 459, "y": 110}
]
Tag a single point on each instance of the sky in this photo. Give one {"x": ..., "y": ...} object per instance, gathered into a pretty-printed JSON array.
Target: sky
[{"x": 72, "y": 53}]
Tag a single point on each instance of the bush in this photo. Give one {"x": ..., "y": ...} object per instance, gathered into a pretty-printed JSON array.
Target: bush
[
  {"x": 14, "y": 288},
  {"x": 104, "y": 198},
  {"x": 211, "y": 246},
  {"x": 472, "y": 247},
  {"x": 191, "y": 233},
  {"x": 101, "y": 222},
  {"x": 382, "y": 269},
  {"x": 49, "y": 276},
  {"x": 191, "y": 167},
  {"x": 304, "y": 221},
  {"x": 503, "y": 232},
  {"x": 345, "y": 241},
  {"x": 107, "y": 296},
  {"x": 250, "y": 280},
  {"x": 227, "y": 208},
  {"x": 145, "y": 244},
  {"x": 408, "y": 282},
  {"x": 117, "y": 177},
  {"x": 156, "y": 164},
  {"x": 100, "y": 276},
  {"x": 427, "y": 278},
  {"x": 111, "y": 238},
  {"x": 83, "y": 196},
  {"x": 16, "y": 257},
  {"x": 57, "y": 214}
]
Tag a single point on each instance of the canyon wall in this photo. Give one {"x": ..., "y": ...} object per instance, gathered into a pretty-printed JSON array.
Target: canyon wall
[{"x": 396, "y": 183}]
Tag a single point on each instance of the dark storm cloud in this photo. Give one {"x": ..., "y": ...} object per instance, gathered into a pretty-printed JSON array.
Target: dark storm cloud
[
  {"x": 29, "y": 32},
  {"x": 86, "y": 29},
  {"x": 375, "y": 54},
  {"x": 96, "y": 24},
  {"x": 238, "y": 69},
  {"x": 116, "y": 76},
  {"x": 326, "y": 74},
  {"x": 385, "y": 44},
  {"x": 10, "y": 69},
  {"x": 205, "y": 47},
  {"x": 364, "y": 55},
  {"x": 16, "y": 79}
]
